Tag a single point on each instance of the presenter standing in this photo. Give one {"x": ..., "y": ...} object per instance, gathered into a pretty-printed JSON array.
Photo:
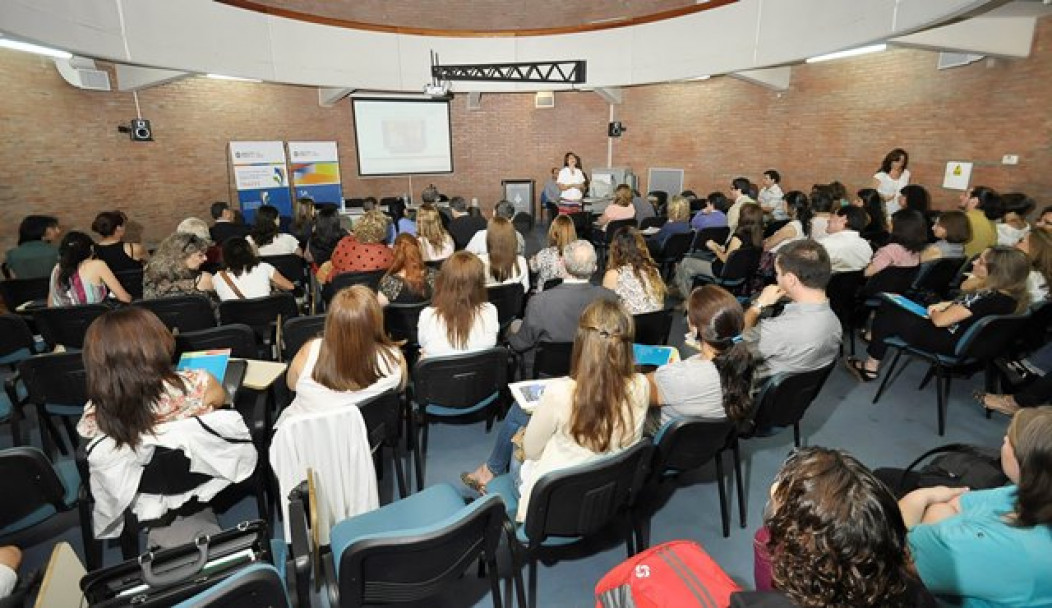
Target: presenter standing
[
  {"x": 572, "y": 184},
  {"x": 892, "y": 177}
]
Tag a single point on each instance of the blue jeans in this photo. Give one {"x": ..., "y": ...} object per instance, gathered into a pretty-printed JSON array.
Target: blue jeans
[{"x": 500, "y": 458}]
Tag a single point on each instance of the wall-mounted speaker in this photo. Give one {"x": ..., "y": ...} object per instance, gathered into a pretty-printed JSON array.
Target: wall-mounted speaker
[
  {"x": 140, "y": 130},
  {"x": 615, "y": 129}
]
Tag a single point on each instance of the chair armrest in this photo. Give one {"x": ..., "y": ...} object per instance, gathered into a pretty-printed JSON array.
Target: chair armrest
[{"x": 301, "y": 560}]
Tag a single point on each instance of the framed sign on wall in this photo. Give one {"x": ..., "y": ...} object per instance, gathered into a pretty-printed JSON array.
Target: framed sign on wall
[{"x": 519, "y": 192}]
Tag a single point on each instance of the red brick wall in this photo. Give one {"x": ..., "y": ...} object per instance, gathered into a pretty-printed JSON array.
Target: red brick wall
[{"x": 61, "y": 152}]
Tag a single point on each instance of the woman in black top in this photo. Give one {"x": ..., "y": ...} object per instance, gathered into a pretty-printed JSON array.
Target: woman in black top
[
  {"x": 997, "y": 287},
  {"x": 112, "y": 249},
  {"x": 327, "y": 233}
]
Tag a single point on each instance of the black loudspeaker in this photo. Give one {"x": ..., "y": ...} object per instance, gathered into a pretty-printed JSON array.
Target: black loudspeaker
[
  {"x": 140, "y": 130},
  {"x": 615, "y": 129}
]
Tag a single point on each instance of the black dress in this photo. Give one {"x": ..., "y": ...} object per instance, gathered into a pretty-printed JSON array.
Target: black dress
[{"x": 116, "y": 257}]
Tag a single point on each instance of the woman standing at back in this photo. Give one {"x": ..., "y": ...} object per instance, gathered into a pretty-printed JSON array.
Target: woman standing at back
[
  {"x": 460, "y": 318},
  {"x": 354, "y": 359},
  {"x": 891, "y": 178}
]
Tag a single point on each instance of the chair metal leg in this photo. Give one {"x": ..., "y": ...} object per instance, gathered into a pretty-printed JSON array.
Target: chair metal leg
[
  {"x": 396, "y": 457},
  {"x": 494, "y": 582},
  {"x": 49, "y": 436},
  {"x": 725, "y": 518},
  {"x": 738, "y": 480},
  {"x": 796, "y": 434},
  {"x": 515, "y": 557},
  {"x": 942, "y": 390},
  {"x": 887, "y": 375},
  {"x": 927, "y": 377},
  {"x": 532, "y": 591}
]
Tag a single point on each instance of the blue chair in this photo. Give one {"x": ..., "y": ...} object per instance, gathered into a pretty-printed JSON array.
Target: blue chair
[
  {"x": 571, "y": 504},
  {"x": 454, "y": 387},
  {"x": 35, "y": 493},
  {"x": 411, "y": 549},
  {"x": 254, "y": 586},
  {"x": 57, "y": 386},
  {"x": 984, "y": 341}
]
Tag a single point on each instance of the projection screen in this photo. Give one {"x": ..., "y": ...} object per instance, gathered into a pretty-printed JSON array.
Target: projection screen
[{"x": 402, "y": 136}]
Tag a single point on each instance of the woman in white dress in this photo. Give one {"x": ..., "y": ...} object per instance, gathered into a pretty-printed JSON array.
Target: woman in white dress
[{"x": 893, "y": 175}]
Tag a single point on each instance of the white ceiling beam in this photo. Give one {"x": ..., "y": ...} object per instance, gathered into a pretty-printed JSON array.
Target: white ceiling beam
[
  {"x": 776, "y": 79},
  {"x": 328, "y": 97},
  {"x": 997, "y": 36},
  {"x": 136, "y": 78},
  {"x": 611, "y": 95}
]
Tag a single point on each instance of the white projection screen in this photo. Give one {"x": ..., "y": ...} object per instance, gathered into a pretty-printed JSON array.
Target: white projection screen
[{"x": 402, "y": 136}]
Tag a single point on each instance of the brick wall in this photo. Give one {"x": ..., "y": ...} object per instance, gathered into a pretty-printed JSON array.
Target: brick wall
[{"x": 61, "y": 152}]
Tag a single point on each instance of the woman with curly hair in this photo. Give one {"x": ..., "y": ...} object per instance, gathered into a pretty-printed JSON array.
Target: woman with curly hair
[
  {"x": 79, "y": 278},
  {"x": 408, "y": 280},
  {"x": 175, "y": 268},
  {"x": 364, "y": 249},
  {"x": 435, "y": 242},
  {"x": 834, "y": 538},
  {"x": 633, "y": 275},
  {"x": 991, "y": 547}
]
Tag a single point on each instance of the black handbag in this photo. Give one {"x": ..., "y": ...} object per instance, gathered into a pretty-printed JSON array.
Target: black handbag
[
  {"x": 169, "y": 576},
  {"x": 954, "y": 465}
]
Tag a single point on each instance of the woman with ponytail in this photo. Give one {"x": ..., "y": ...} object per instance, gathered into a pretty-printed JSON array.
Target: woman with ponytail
[{"x": 716, "y": 382}]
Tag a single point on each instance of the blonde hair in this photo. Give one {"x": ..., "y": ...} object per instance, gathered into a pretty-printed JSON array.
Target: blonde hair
[
  {"x": 429, "y": 226},
  {"x": 679, "y": 209},
  {"x": 371, "y": 228},
  {"x": 561, "y": 233}
]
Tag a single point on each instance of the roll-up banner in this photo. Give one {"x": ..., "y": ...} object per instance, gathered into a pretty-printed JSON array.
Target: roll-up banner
[
  {"x": 316, "y": 171},
  {"x": 261, "y": 176}
]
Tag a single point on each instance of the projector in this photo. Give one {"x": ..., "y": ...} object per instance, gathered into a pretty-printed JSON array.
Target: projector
[{"x": 436, "y": 90}]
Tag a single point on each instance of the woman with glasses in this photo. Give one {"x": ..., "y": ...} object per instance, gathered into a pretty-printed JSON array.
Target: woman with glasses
[{"x": 175, "y": 268}]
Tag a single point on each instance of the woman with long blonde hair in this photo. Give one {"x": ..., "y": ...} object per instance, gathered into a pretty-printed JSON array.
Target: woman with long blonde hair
[
  {"x": 503, "y": 263},
  {"x": 354, "y": 359},
  {"x": 597, "y": 411},
  {"x": 460, "y": 318},
  {"x": 633, "y": 275},
  {"x": 435, "y": 242},
  {"x": 620, "y": 209},
  {"x": 548, "y": 263}
]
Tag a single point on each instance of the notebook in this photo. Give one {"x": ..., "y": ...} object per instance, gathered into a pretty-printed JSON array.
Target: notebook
[
  {"x": 654, "y": 355},
  {"x": 906, "y": 303}
]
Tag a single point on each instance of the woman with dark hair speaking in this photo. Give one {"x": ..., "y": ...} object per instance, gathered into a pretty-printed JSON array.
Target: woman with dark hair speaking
[
  {"x": 716, "y": 382},
  {"x": 891, "y": 178},
  {"x": 835, "y": 539},
  {"x": 991, "y": 547}
]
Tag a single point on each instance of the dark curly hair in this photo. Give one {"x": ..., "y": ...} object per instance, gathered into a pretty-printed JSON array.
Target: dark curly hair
[{"x": 837, "y": 537}]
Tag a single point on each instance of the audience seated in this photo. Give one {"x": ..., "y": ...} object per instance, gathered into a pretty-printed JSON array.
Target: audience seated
[
  {"x": 909, "y": 237},
  {"x": 1037, "y": 246},
  {"x": 982, "y": 205},
  {"x": 354, "y": 360},
  {"x": 504, "y": 265},
  {"x": 740, "y": 188},
  {"x": 712, "y": 213},
  {"x": 620, "y": 208},
  {"x": 435, "y": 242},
  {"x": 632, "y": 274},
  {"x": 477, "y": 243},
  {"x": 303, "y": 210},
  {"x": 1044, "y": 219},
  {"x": 79, "y": 278},
  {"x": 10, "y": 560},
  {"x": 1013, "y": 226},
  {"x": 266, "y": 236},
  {"x": 847, "y": 250},
  {"x": 998, "y": 287},
  {"x": 37, "y": 253},
  {"x": 225, "y": 226},
  {"x": 716, "y": 382},
  {"x": 112, "y": 249},
  {"x": 643, "y": 207},
  {"x": 408, "y": 280},
  {"x": 464, "y": 225},
  {"x": 833, "y": 537},
  {"x": 552, "y": 316},
  {"x": 364, "y": 249},
  {"x": 245, "y": 276},
  {"x": 952, "y": 230},
  {"x": 797, "y": 209},
  {"x": 548, "y": 262},
  {"x": 770, "y": 197},
  {"x": 806, "y": 336},
  {"x": 749, "y": 234},
  {"x": 876, "y": 231},
  {"x": 991, "y": 547},
  {"x": 175, "y": 268},
  {"x": 326, "y": 235},
  {"x": 678, "y": 223},
  {"x": 460, "y": 318},
  {"x": 597, "y": 411}
]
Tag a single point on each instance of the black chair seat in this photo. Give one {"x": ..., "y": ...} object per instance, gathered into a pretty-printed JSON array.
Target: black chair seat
[{"x": 182, "y": 313}]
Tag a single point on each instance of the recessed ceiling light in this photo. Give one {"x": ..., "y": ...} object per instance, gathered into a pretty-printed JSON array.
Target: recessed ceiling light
[
  {"x": 235, "y": 78},
  {"x": 862, "y": 50},
  {"x": 26, "y": 47}
]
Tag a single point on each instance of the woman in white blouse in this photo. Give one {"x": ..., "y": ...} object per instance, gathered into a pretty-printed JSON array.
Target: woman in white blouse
[
  {"x": 460, "y": 318},
  {"x": 244, "y": 276},
  {"x": 504, "y": 265},
  {"x": 435, "y": 243},
  {"x": 266, "y": 238},
  {"x": 893, "y": 175}
]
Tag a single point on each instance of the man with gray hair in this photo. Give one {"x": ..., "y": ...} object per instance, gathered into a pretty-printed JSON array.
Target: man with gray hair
[
  {"x": 552, "y": 315},
  {"x": 477, "y": 244}
]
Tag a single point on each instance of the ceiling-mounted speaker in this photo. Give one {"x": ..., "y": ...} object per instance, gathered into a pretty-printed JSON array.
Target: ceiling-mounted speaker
[{"x": 544, "y": 99}]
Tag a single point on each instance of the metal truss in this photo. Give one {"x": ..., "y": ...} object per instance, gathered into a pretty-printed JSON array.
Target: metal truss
[{"x": 566, "y": 72}]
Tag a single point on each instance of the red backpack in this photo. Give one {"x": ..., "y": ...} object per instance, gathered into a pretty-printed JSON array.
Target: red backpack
[{"x": 676, "y": 574}]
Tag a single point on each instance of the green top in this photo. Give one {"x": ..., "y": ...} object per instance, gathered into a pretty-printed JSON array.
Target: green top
[{"x": 32, "y": 259}]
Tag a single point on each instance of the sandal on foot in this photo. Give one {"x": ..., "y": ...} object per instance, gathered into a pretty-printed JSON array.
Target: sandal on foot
[
  {"x": 996, "y": 403},
  {"x": 473, "y": 483},
  {"x": 858, "y": 370}
]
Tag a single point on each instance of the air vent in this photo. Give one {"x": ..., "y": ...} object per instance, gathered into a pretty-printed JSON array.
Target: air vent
[
  {"x": 81, "y": 73},
  {"x": 956, "y": 60},
  {"x": 544, "y": 99}
]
